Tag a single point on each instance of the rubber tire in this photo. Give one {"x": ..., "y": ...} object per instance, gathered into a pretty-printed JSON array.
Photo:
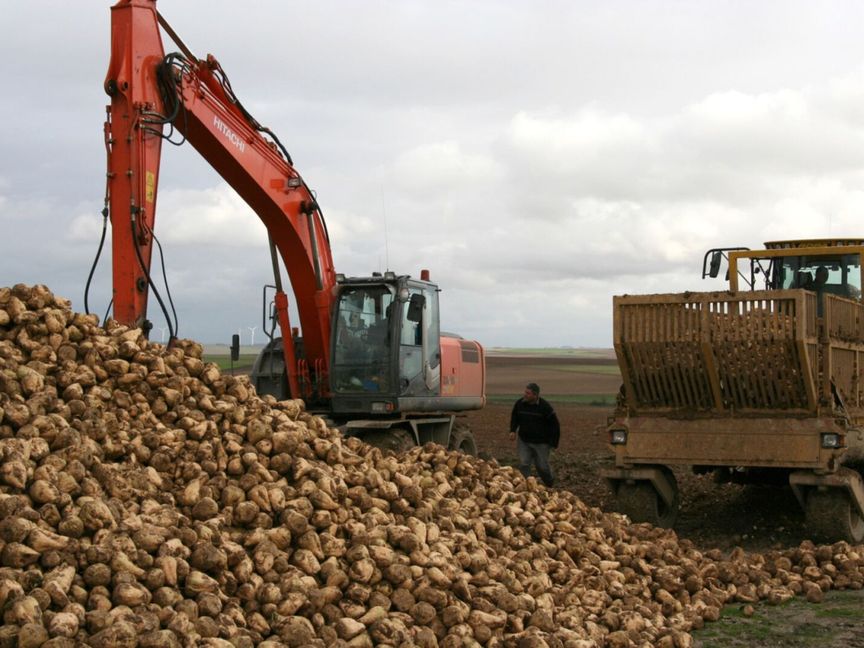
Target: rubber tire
[
  {"x": 831, "y": 516},
  {"x": 395, "y": 439},
  {"x": 642, "y": 503},
  {"x": 462, "y": 439}
]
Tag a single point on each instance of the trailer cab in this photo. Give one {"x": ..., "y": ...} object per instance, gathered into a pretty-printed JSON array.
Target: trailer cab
[
  {"x": 825, "y": 266},
  {"x": 761, "y": 382}
]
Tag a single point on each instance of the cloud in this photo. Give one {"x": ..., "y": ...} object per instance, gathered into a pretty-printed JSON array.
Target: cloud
[
  {"x": 214, "y": 216},
  {"x": 441, "y": 168},
  {"x": 729, "y": 147},
  {"x": 785, "y": 132},
  {"x": 536, "y": 161},
  {"x": 596, "y": 203}
]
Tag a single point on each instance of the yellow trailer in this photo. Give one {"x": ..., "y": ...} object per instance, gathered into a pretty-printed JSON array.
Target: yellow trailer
[{"x": 761, "y": 381}]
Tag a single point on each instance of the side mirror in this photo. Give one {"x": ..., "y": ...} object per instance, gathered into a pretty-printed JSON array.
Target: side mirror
[
  {"x": 716, "y": 261},
  {"x": 415, "y": 307},
  {"x": 235, "y": 347}
]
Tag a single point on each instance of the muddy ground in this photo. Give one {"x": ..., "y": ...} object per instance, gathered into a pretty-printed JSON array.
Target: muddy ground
[{"x": 712, "y": 515}]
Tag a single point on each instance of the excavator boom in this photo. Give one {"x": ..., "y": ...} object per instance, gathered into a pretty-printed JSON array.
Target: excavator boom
[
  {"x": 386, "y": 373},
  {"x": 155, "y": 97}
]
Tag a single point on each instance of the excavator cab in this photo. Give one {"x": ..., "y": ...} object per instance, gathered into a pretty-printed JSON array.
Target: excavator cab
[
  {"x": 361, "y": 347},
  {"x": 388, "y": 356},
  {"x": 385, "y": 347}
]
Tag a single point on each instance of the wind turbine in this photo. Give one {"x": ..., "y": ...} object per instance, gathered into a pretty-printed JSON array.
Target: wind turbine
[{"x": 252, "y": 335}]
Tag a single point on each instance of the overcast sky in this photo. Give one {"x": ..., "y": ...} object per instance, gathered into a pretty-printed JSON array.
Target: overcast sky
[{"x": 538, "y": 157}]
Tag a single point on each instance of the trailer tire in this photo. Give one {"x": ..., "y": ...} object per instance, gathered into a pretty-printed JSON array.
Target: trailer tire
[
  {"x": 641, "y": 502},
  {"x": 832, "y": 516},
  {"x": 462, "y": 439}
]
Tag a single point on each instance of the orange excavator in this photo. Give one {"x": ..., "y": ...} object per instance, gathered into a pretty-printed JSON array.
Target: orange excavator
[{"x": 369, "y": 352}]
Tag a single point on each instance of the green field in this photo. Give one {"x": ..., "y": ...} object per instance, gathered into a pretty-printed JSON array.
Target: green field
[
  {"x": 598, "y": 400},
  {"x": 608, "y": 370},
  {"x": 837, "y": 621},
  {"x": 245, "y": 362},
  {"x": 552, "y": 351},
  {"x": 221, "y": 358}
]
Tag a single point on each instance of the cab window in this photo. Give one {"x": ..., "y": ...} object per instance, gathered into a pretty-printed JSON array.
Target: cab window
[{"x": 838, "y": 275}]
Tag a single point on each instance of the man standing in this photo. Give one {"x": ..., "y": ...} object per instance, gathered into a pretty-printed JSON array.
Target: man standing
[{"x": 539, "y": 431}]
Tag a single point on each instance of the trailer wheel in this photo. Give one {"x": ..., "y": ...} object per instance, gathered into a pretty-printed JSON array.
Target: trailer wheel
[
  {"x": 832, "y": 516},
  {"x": 641, "y": 503},
  {"x": 394, "y": 439},
  {"x": 462, "y": 439}
]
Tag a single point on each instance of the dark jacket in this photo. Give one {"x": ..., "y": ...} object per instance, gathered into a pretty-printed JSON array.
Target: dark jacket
[{"x": 535, "y": 422}]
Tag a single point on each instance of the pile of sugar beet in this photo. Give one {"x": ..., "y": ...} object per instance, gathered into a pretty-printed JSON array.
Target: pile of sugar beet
[{"x": 146, "y": 499}]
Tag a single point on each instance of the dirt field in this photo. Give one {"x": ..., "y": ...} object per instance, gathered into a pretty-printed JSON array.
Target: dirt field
[
  {"x": 556, "y": 375},
  {"x": 712, "y": 515}
]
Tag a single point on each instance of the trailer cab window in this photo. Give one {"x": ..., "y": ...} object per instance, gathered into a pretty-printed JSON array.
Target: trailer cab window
[{"x": 837, "y": 275}]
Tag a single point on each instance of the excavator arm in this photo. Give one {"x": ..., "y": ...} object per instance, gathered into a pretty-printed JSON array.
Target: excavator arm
[{"x": 155, "y": 97}]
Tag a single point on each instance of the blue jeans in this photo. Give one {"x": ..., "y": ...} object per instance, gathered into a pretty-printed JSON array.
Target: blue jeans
[{"x": 538, "y": 455}]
